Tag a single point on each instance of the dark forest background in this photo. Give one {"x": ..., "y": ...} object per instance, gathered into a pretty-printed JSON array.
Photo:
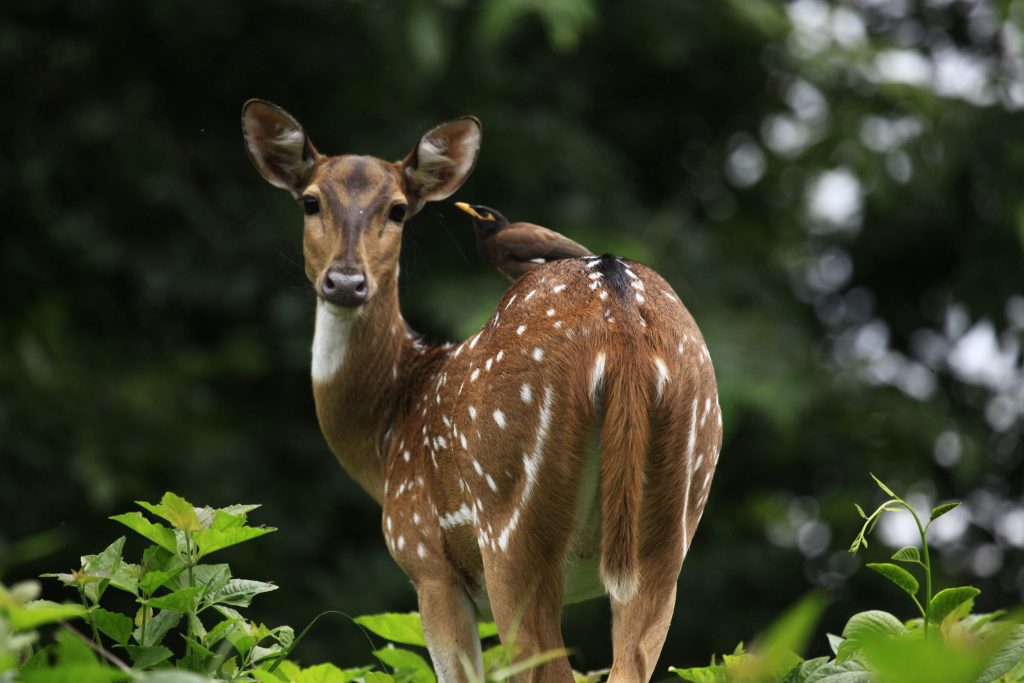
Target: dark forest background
[{"x": 836, "y": 190}]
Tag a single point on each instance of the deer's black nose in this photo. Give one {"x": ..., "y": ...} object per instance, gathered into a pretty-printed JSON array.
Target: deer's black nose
[{"x": 344, "y": 286}]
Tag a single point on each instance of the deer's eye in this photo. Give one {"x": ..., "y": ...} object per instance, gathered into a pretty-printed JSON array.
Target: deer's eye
[
  {"x": 310, "y": 205},
  {"x": 398, "y": 212}
]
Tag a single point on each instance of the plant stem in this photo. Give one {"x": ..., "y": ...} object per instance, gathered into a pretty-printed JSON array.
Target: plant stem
[
  {"x": 90, "y": 618},
  {"x": 927, "y": 564},
  {"x": 191, "y": 584},
  {"x": 98, "y": 648}
]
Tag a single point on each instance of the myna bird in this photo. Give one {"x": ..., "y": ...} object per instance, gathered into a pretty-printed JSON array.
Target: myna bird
[{"x": 517, "y": 248}]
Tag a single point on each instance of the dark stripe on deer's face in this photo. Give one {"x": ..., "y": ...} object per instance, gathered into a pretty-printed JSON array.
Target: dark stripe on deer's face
[{"x": 355, "y": 190}]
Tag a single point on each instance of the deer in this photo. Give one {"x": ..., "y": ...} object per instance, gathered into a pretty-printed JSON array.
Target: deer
[{"x": 563, "y": 452}]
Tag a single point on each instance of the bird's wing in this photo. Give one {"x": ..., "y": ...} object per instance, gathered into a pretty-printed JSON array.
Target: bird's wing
[{"x": 528, "y": 242}]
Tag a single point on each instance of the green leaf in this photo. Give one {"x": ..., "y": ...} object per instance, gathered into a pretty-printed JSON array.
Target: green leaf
[
  {"x": 39, "y": 612},
  {"x": 1009, "y": 655},
  {"x": 157, "y": 533},
  {"x": 703, "y": 674},
  {"x": 172, "y": 676},
  {"x": 321, "y": 673},
  {"x": 378, "y": 677},
  {"x": 883, "y": 486},
  {"x": 104, "y": 564},
  {"x": 847, "y": 672},
  {"x": 860, "y": 511},
  {"x": 181, "y": 600},
  {"x": 415, "y": 667},
  {"x": 210, "y": 577},
  {"x": 399, "y": 628},
  {"x": 242, "y": 636},
  {"x": 898, "y": 575},
  {"x": 945, "y": 601},
  {"x": 907, "y": 554},
  {"x": 865, "y": 627},
  {"x": 214, "y": 539},
  {"x": 180, "y": 512},
  {"x": 940, "y": 510},
  {"x": 157, "y": 628},
  {"x": 116, "y": 626},
  {"x": 486, "y": 629},
  {"x": 240, "y": 592},
  {"x": 146, "y": 657}
]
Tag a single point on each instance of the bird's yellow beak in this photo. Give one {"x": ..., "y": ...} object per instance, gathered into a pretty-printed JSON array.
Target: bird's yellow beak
[{"x": 469, "y": 209}]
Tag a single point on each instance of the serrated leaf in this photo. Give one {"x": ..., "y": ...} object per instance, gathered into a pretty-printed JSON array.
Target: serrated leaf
[
  {"x": 414, "y": 667},
  {"x": 406, "y": 629},
  {"x": 114, "y": 625},
  {"x": 945, "y": 601},
  {"x": 898, "y": 575},
  {"x": 907, "y": 554},
  {"x": 157, "y": 628},
  {"x": 1009, "y": 655},
  {"x": 157, "y": 533},
  {"x": 240, "y": 592},
  {"x": 145, "y": 657},
  {"x": 103, "y": 564},
  {"x": 210, "y": 577},
  {"x": 940, "y": 510},
  {"x": 181, "y": 600},
  {"x": 214, "y": 539}
]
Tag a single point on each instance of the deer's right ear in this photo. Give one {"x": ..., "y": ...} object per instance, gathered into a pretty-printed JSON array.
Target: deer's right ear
[{"x": 278, "y": 146}]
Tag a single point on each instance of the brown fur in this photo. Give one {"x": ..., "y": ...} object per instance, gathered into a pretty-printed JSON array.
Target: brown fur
[{"x": 476, "y": 451}]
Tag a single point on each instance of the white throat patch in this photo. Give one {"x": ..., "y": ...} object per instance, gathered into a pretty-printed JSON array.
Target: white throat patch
[{"x": 330, "y": 339}]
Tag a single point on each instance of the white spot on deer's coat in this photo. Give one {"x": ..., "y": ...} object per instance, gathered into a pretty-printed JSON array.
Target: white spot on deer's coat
[
  {"x": 501, "y": 354},
  {"x": 538, "y": 353},
  {"x": 406, "y": 455},
  {"x": 490, "y": 482},
  {"x": 531, "y": 465},
  {"x": 472, "y": 413},
  {"x": 472, "y": 343},
  {"x": 387, "y": 520},
  {"x": 476, "y": 373},
  {"x": 700, "y": 459},
  {"x": 526, "y": 393},
  {"x": 521, "y": 329},
  {"x": 510, "y": 301},
  {"x": 603, "y": 295},
  {"x": 557, "y": 288},
  {"x": 457, "y": 518},
  {"x": 639, "y": 298},
  {"x": 596, "y": 376},
  {"x": 401, "y": 542},
  {"x": 499, "y": 417},
  {"x": 476, "y": 466},
  {"x": 530, "y": 295},
  {"x": 551, "y": 312},
  {"x": 707, "y": 407},
  {"x": 487, "y": 365},
  {"x": 415, "y": 518},
  {"x": 462, "y": 440},
  {"x": 330, "y": 339},
  {"x": 662, "y": 377},
  {"x": 421, "y": 551},
  {"x": 691, "y": 444}
]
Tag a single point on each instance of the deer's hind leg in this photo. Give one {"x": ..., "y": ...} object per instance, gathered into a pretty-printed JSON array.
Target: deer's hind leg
[
  {"x": 449, "y": 624},
  {"x": 639, "y": 626}
]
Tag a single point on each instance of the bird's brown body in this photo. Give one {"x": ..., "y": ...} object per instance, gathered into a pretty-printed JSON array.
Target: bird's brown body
[{"x": 517, "y": 248}]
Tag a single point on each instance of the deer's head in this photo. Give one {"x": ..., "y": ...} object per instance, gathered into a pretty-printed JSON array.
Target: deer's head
[{"x": 355, "y": 206}]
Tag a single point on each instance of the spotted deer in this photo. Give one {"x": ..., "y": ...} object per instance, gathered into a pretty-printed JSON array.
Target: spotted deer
[{"x": 562, "y": 452}]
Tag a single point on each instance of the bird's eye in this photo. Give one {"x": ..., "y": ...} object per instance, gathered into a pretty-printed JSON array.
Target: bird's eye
[
  {"x": 397, "y": 213},
  {"x": 310, "y": 205}
]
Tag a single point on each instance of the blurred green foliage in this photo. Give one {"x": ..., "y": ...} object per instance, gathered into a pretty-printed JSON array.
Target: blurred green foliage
[{"x": 833, "y": 189}]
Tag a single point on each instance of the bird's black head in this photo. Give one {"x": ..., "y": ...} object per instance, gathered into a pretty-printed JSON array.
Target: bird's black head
[{"x": 486, "y": 220}]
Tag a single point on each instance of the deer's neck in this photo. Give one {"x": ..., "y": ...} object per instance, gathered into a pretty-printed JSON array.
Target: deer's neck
[{"x": 361, "y": 370}]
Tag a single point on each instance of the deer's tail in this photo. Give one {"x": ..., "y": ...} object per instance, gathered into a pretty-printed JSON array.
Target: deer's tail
[{"x": 625, "y": 440}]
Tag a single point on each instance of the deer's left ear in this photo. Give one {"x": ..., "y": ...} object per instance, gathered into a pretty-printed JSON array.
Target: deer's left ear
[{"x": 442, "y": 161}]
